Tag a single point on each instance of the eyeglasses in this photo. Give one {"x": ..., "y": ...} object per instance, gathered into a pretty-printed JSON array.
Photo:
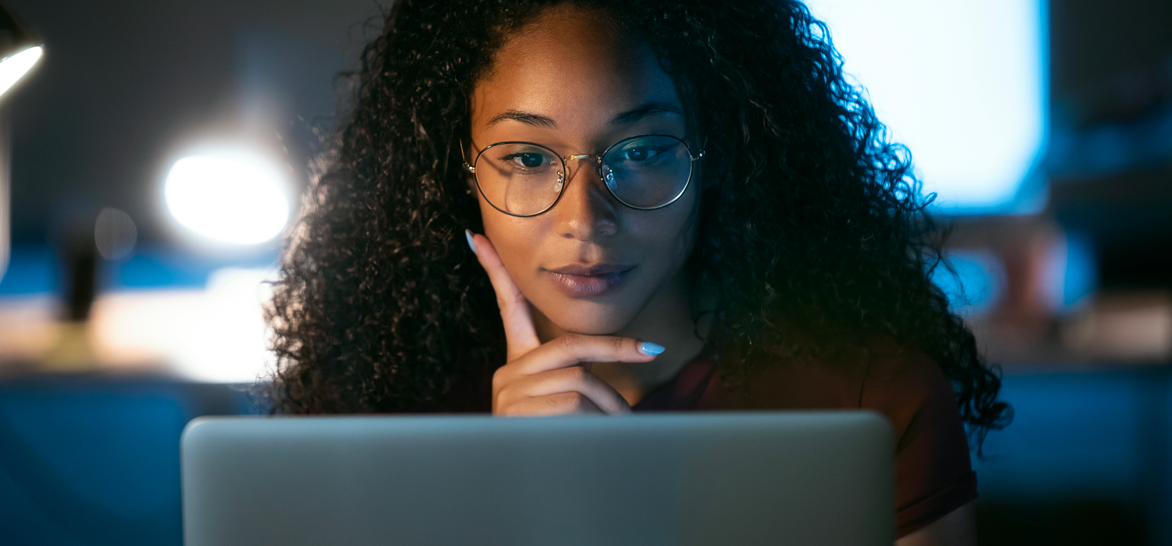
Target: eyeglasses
[{"x": 524, "y": 179}]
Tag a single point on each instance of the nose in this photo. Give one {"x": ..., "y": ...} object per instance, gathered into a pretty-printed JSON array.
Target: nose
[{"x": 586, "y": 210}]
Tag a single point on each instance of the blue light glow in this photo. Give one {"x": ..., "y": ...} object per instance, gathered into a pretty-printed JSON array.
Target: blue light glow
[
  {"x": 975, "y": 284},
  {"x": 962, "y": 84},
  {"x": 1072, "y": 272}
]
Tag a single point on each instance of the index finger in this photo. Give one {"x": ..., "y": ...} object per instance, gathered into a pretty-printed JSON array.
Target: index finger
[
  {"x": 580, "y": 349},
  {"x": 520, "y": 333}
]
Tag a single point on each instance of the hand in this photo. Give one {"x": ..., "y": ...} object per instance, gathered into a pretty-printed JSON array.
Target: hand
[{"x": 551, "y": 378}]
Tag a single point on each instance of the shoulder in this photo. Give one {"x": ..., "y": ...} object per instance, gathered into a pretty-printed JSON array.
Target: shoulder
[
  {"x": 933, "y": 469},
  {"x": 877, "y": 374},
  {"x": 933, "y": 472},
  {"x": 907, "y": 386}
]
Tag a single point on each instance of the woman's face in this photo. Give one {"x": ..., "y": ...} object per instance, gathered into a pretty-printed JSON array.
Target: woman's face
[{"x": 571, "y": 83}]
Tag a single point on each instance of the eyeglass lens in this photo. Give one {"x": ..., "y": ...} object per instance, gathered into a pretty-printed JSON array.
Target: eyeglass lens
[{"x": 525, "y": 179}]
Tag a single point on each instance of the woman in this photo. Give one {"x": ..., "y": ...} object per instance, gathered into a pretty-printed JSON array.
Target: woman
[{"x": 677, "y": 205}]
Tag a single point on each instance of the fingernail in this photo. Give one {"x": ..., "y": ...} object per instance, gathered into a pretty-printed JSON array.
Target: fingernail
[
  {"x": 472, "y": 245},
  {"x": 649, "y": 348}
]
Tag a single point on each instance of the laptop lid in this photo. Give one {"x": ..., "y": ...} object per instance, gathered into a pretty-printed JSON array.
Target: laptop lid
[{"x": 672, "y": 478}]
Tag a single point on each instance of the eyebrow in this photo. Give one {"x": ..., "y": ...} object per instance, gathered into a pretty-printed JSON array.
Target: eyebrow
[
  {"x": 528, "y": 118},
  {"x": 625, "y": 118},
  {"x": 644, "y": 110}
]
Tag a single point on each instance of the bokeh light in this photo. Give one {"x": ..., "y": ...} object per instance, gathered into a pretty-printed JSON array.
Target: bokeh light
[
  {"x": 214, "y": 335},
  {"x": 232, "y": 197},
  {"x": 115, "y": 234},
  {"x": 975, "y": 283}
]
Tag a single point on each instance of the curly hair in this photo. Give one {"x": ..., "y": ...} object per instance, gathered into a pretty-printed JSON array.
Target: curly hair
[{"x": 809, "y": 214}]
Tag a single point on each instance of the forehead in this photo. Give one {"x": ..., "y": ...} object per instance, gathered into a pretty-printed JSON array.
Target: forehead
[{"x": 575, "y": 66}]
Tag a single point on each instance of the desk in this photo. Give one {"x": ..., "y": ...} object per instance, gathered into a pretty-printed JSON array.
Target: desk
[{"x": 94, "y": 459}]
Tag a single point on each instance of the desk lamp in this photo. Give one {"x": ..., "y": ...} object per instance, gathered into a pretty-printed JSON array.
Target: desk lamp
[{"x": 19, "y": 49}]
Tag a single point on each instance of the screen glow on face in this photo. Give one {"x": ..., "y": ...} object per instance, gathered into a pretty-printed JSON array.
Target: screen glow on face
[{"x": 961, "y": 83}]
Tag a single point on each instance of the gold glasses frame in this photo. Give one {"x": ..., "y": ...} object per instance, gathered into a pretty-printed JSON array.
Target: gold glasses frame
[{"x": 565, "y": 160}]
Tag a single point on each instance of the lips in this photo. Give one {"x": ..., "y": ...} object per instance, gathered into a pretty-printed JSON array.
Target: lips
[{"x": 592, "y": 281}]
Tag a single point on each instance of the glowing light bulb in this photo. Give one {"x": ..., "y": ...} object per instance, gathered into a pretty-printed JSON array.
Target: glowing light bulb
[
  {"x": 230, "y": 197},
  {"x": 14, "y": 67}
]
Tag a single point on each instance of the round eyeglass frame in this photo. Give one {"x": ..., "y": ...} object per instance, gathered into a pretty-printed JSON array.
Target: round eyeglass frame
[{"x": 471, "y": 168}]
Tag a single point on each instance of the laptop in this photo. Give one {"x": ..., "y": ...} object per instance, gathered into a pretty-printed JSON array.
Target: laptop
[{"x": 741, "y": 478}]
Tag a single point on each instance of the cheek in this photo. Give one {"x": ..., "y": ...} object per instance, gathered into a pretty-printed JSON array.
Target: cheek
[
  {"x": 515, "y": 239},
  {"x": 668, "y": 236},
  {"x": 682, "y": 228},
  {"x": 687, "y": 238}
]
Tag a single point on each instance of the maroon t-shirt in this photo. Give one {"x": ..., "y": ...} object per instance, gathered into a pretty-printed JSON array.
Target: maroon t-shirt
[{"x": 933, "y": 472}]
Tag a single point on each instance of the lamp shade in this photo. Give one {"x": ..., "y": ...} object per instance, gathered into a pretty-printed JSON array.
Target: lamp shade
[{"x": 19, "y": 49}]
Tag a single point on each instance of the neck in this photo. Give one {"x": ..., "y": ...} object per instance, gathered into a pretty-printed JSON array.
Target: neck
[{"x": 666, "y": 320}]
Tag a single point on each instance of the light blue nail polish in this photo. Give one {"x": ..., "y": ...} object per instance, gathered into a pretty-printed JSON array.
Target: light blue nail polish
[
  {"x": 468, "y": 234},
  {"x": 649, "y": 348}
]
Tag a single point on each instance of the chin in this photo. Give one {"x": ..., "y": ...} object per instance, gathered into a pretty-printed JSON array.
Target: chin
[{"x": 588, "y": 318}]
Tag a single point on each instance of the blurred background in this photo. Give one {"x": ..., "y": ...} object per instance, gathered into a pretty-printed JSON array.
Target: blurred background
[{"x": 152, "y": 158}]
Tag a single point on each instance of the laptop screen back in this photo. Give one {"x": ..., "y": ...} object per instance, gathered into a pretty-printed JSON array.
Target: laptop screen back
[{"x": 681, "y": 478}]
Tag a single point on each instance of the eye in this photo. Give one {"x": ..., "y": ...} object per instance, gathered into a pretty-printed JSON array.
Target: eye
[
  {"x": 526, "y": 160},
  {"x": 641, "y": 153}
]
